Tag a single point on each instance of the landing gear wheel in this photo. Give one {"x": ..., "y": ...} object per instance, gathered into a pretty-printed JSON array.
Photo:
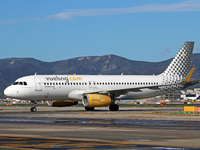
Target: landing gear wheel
[
  {"x": 33, "y": 109},
  {"x": 114, "y": 107},
  {"x": 89, "y": 108}
]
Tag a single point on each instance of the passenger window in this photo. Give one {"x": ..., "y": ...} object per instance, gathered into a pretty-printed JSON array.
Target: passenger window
[{"x": 20, "y": 83}]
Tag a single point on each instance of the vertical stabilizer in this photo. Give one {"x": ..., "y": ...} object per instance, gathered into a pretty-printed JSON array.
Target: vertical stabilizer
[{"x": 180, "y": 65}]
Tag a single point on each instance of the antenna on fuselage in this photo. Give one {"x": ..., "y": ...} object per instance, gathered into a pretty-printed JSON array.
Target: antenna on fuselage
[
  {"x": 35, "y": 74},
  {"x": 122, "y": 74}
]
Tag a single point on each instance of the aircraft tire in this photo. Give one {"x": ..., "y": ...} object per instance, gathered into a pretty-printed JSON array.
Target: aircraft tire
[
  {"x": 89, "y": 108},
  {"x": 33, "y": 109},
  {"x": 114, "y": 107}
]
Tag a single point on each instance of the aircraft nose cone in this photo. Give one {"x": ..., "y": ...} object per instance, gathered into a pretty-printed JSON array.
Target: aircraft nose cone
[{"x": 8, "y": 92}]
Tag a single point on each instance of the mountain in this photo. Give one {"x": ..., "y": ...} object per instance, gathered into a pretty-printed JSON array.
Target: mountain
[{"x": 13, "y": 68}]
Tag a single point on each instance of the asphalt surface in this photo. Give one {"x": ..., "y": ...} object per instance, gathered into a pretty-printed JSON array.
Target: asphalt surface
[{"x": 74, "y": 128}]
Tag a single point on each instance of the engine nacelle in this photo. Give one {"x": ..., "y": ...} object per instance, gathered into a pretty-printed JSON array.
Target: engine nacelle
[
  {"x": 96, "y": 100},
  {"x": 63, "y": 103}
]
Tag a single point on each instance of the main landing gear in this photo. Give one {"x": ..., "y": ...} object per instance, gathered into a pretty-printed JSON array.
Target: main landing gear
[
  {"x": 114, "y": 107},
  {"x": 89, "y": 108},
  {"x": 33, "y": 108}
]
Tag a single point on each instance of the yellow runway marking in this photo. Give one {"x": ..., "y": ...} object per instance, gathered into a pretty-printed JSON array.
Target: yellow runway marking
[{"x": 34, "y": 143}]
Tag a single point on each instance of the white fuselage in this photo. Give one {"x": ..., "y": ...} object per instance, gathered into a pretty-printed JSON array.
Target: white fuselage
[{"x": 64, "y": 87}]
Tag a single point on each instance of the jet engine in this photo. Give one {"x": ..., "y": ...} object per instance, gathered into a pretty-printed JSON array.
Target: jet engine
[
  {"x": 62, "y": 103},
  {"x": 96, "y": 100}
]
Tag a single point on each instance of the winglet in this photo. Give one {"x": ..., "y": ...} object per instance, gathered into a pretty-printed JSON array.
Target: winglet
[{"x": 189, "y": 75}]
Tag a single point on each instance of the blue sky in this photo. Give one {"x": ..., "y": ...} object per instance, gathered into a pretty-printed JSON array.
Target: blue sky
[{"x": 52, "y": 30}]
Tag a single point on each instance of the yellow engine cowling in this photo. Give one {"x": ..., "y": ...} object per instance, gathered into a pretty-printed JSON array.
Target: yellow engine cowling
[
  {"x": 96, "y": 100},
  {"x": 63, "y": 103}
]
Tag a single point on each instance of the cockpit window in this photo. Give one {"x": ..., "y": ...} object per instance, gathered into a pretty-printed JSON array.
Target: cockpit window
[
  {"x": 20, "y": 83},
  {"x": 15, "y": 83}
]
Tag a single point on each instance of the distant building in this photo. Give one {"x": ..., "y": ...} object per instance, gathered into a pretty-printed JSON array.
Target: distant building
[{"x": 190, "y": 91}]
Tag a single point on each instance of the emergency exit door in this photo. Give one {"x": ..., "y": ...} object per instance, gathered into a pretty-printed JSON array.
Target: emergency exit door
[{"x": 38, "y": 84}]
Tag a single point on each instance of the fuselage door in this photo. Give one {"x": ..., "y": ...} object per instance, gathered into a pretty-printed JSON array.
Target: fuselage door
[
  {"x": 92, "y": 85},
  {"x": 38, "y": 84}
]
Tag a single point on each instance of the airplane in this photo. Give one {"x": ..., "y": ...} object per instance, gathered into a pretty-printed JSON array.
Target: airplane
[
  {"x": 192, "y": 97},
  {"x": 104, "y": 90}
]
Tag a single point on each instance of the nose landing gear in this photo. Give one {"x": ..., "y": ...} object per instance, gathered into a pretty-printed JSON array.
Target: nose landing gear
[{"x": 33, "y": 108}]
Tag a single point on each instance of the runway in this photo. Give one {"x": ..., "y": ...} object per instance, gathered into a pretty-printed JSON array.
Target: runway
[{"x": 74, "y": 128}]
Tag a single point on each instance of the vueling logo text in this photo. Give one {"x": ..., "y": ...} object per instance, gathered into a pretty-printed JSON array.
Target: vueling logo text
[{"x": 67, "y": 79}]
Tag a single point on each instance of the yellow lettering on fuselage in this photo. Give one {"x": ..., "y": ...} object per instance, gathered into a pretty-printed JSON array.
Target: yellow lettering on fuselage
[{"x": 75, "y": 79}]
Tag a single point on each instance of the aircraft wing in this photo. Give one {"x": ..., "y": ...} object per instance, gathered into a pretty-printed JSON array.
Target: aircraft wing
[
  {"x": 118, "y": 92},
  {"x": 139, "y": 89},
  {"x": 184, "y": 84}
]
